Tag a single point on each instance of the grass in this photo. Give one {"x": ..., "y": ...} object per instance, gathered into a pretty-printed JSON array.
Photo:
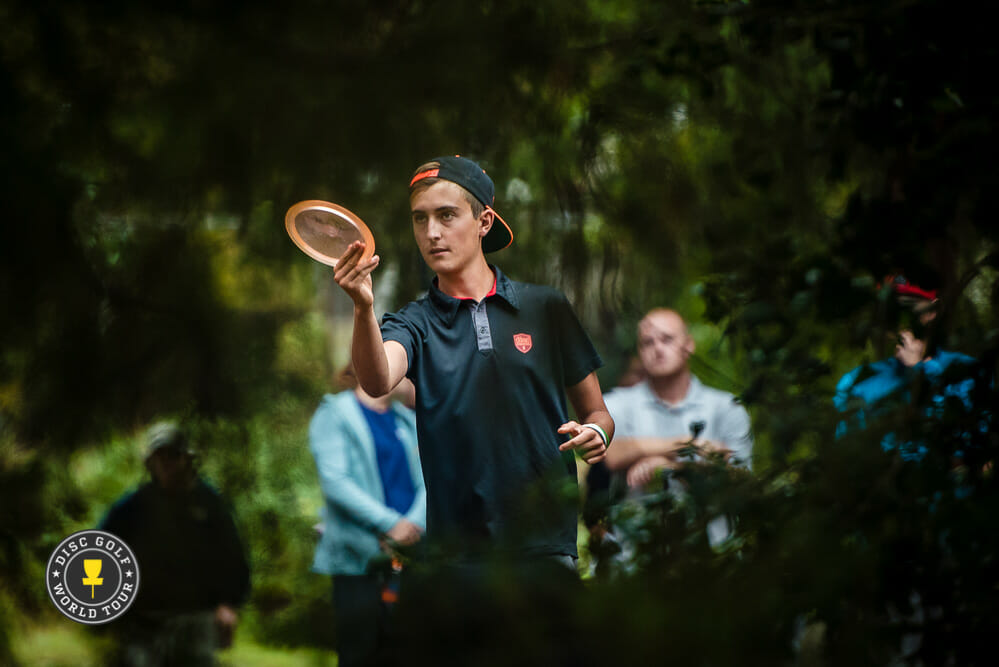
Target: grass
[
  {"x": 248, "y": 654},
  {"x": 64, "y": 643}
]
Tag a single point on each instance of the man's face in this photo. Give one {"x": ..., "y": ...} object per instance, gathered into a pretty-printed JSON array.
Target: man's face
[
  {"x": 663, "y": 344},
  {"x": 170, "y": 468},
  {"x": 448, "y": 236}
]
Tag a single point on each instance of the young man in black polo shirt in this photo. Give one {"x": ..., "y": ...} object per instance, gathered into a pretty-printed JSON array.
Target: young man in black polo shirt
[{"x": 493, "y": 361}]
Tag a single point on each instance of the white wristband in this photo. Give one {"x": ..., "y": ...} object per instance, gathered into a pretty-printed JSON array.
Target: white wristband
[{"x": 602, "y": 433}]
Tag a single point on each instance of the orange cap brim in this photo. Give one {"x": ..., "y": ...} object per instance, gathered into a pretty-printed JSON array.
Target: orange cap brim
[{"x": 499, "y": 237}]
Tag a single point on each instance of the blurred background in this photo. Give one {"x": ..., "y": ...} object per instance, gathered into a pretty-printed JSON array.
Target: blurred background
[{"x": 760, "y": 166}]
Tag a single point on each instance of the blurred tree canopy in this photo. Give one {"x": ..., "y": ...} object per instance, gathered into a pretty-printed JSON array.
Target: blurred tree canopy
[{"x": 761, "y": 165}]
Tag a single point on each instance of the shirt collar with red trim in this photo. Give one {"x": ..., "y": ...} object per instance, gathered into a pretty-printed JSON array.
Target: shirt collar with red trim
[{"x": 447, "y": 306}]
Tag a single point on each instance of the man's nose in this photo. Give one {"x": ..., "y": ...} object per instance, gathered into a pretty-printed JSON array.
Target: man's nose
[{"x": 433, "y": 229}]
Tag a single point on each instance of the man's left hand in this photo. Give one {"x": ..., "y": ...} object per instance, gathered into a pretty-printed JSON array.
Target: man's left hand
[
  {"x": 585, "y": 440},
  {"x": 645, "y": 470}
]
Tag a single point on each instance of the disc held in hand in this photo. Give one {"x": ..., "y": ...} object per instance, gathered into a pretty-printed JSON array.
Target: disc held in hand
[{"x": 323, "y": 230}]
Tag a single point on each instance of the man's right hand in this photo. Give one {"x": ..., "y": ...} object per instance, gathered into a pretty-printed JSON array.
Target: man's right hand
[
  {"x": 404, "y": 533},
  {"x": 712, "y": 447},
  {"x": 354, "y": 277},
  {"x": 909, "y": 350}
]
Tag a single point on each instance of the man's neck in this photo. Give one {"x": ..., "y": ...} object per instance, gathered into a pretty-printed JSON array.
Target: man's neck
[
  {"x": 671, "y": 388},
  {"x": 177, "y": 489},
  {"x": 472, "y": 282}
]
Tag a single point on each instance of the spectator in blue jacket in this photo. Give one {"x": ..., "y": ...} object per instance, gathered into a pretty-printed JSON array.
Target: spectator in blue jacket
[
  {"x": 375, "y": 502},
  {"x": 917, "y": 366}
]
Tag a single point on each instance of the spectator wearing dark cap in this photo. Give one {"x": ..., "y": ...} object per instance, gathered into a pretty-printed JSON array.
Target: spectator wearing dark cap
[
  {"x": 917, "y": 366},
  {"x": 194, "y": 571},
  {"x": 931, "y": 386}
]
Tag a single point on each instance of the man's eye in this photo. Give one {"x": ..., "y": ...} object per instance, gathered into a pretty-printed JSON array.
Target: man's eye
[{"x": 447, "y": 215}]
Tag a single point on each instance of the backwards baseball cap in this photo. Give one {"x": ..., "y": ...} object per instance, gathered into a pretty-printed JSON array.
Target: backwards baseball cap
[
  {"x": 473, "y": 178},
  {"x": 903, "y": 288}
]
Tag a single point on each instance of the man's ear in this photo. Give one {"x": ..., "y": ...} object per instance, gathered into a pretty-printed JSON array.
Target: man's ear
[
  {"x": 486, "y": 221},
  {"x": 690, "y": 345}
]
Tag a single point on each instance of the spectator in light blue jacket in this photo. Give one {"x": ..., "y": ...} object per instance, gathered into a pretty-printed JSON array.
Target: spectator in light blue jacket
[
  {"x": 874, "y": 389},
  {"x": 369, "y": 470}
]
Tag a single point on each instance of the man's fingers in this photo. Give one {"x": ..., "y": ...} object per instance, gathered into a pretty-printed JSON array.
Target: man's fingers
[
  {"x": 646, "y": 470},
  {"x": 643, "y": 474},
  {"x": 355, "y": 249},
  {"x": 636, "y": 476},
  {"x": 359, "y": 272},
  {"x": 351, "y": 254},
  {"x": 369, "y": 266},
  {"x": 349, "y": 262},
  {"x": 588, "y": 443},
  {"x": 569, "y": 427},
  {"x": 578, "y": 441},
  {"x": 711, "y": 447}
]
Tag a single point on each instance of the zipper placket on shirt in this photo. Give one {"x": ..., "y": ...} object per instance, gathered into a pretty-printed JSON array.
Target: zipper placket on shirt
[{"x": 480, "y": 324}]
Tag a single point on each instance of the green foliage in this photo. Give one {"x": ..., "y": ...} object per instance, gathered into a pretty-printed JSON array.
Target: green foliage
[{"x": 758, "y": 165}]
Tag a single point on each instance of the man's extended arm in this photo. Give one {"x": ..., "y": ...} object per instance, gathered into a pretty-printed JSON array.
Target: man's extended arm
[
  {"x": 628, "y": 451},
  {"x": 379, "y": 366}
]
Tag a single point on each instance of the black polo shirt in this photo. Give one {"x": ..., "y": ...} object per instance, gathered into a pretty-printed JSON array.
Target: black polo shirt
[{"x": 490, "y": 394}]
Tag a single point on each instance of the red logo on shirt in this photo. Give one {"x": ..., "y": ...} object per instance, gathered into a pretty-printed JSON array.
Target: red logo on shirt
[{"x": 522, "y": 342}]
